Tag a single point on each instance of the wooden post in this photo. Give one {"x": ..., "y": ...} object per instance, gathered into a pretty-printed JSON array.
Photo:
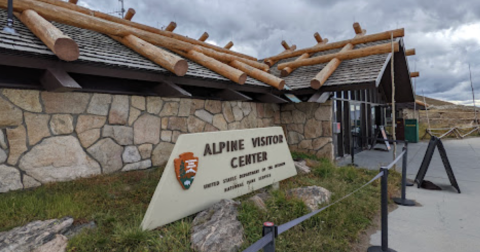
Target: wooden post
[
  {"x": 273, "y": 62},
  {"x": 130, "y": 13},
  {"x": 410, "y": 52},
  {"x": 229, "y": 45},
  {"x": 73, "y": 1},
  {"x": 62, "y": 45},
  {"x": 414, "y": 74},
  {"x": 394, "y": 121},
  {"x": 270, "y": 79},
  {"x": 317, "y": 37},
  {"x": 285, "y": 45},
  {"x": 229, "y": 58},
  {"x": 204, "y": 37},
  {"x": 171, "y": 27}
]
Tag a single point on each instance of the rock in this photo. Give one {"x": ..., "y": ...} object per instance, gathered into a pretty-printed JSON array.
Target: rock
[
  {"x": 65, "y": 103},
  {"x": 213, "y": 107},
  {"x": 161, "y": 153},
  {"x": 246, "y": 108},
  {"x": 326, "y": 152},
  {"x": 122, "y": 134},
  {"x": 170, "y": 109},
  {"x": 320, "y": 142},
  {"x": 58, "y": 244},
  {"x": 88, "y": 122},
  {"x": 88, "y": 138},
  {"x": 119, "y": 111},
  {"x": 99, "y": 104},
  {"x": 312, "y": 196},
  {"x": 219, "y": 122},
  {"x": 131, "y": 154},
  {"x": 264, "y": 195},
  {"x": 269, "y": 110},
  {"x": 294, "y": 137},
  {"x": 29, "y": 182},
  {"x": 237, "y": 113},
  {"x": 217, "y": 228},
  {"x": 58, "y": 159},
  {"x": 204, "y": 115},
  {"x": 175, "y": 136},
  {"x": 146, "y": 130},
  {"x": 17, "y": 139},
  {"x": 61, "y": 124},
  {"x": 185, "y": 105},
  {"x": 305, "y": 144},
  {"x": 324, "y": 113},
  {"x": 9, "y": 180},
  {"x": 166, "y": 136},
  {"x": 195, "y": 125},
  {"x": 296, "y": 127},
  {"x": 134, "y": 114},
  {"x": 33, "y": 235},
  {"x": 260, "y": 110},
  {"x": 196, "y": 105},
  {"x": 234, "y": 126},
  {"x": 299, "y": 117},
  {"x": 258, "y": 202},
  {"x": 3, "y": 156},
  {"x": 108, "y": 154},
  {"x": 313, "y": 129},
  {"x": 165, "y": 123},
  {"x": 37, "y": 127},
  {"x": 3, "y": 142},
  {"x": 227, "y": 112},
  {"x": 145, "y": 164},
  {"x": 28, "y": 100},
  {"x": 210, "y": 128},
  {"x": 287, "y": 117},
  {"x": 327, "y": 129},
  {"x": 154, "y": 104},
  {"x": 9, "y": 114},
  {"x": 302, "y": 167},
  {"x": 138, "y": 102},
  {"x": 145, "y": 150},
  {"x": 75, "y": 230},
  {"x": 177, "y": 123}
]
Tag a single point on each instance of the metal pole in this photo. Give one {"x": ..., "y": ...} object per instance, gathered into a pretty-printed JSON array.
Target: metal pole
[
  {"x": 473, "y": 94},
  {"x": 403, "y": 201},
  {"x": 269, "y": 227},
  {"x": 9, "y": 27},
  {"x": 353, "y": 150}
]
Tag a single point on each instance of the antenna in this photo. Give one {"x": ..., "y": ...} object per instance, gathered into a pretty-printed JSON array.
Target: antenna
[
  {"x": 120, "y": 12},
  {"x": 9, "y": 28}
]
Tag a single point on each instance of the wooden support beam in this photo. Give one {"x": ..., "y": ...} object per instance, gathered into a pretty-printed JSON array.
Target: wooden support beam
[
  {"x": 267, "y": 78},
  {"x": 232, "y": 95},
  {"x": 269, "y": 98},
  {"x": 204, "y": 36},
  {"x": 229, "y": 45},
  {"x": 57, "y": 80},
  {"x": 34, "y": 4},
  {"x": 273, "y": 62},
  {"x": 358, "y": 30},
  {"x": 130, "y": 13},
  {"x": 421, "y": 103},
  {"x": 285, "y": 45},
  {"x": 410, "y": 52},
  {"x": 340, "y": 44},
  {"x": 414, "y": 74},
  {"x": 354, "y": 54},
  {"x": 73, "y": 1},
  {"x": 170, "y": 89},
  {"x": 60, "y": 44},
  {"x": 165, "y": 59},
  {"x": 318, "y": 38},
  {"x": 319, "y": 97},
  {"x": 117, "y": 28},
  {"x": 170, "y": 27}
]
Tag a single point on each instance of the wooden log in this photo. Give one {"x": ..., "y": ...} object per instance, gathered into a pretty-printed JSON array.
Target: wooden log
[
  {"x": 267, "y": 78},
  {"x": 167, "y": 60},
  {"x": 57, "y": 79},
  {"x": 410, "y": 52},
  {"x": 414, "y": 74},
  {"x": 340, "y": 44},
  {"x": 285, "y": 45},
  {"x": 354, "y": 54},
  {"x": 73, "y": 1},
  {"x": 288, "y": 70},
  {"x": 77, "y": 19},
  {"x": 273, "y": 62},
  {"x": 204, "y": 36},
  {"x": 221, "y": 68},
  {"x": 130, "y": 24},
  {"x": 61, "y": 45},
  {"x": 171, "y": 27},
  {"x": 358, "y": 29},
  {"x": 421, "y": 103},
  {"x": 130, "y": 13},
  {"x": 317, "y": 37},
  {"x": 229, "y": 45}
]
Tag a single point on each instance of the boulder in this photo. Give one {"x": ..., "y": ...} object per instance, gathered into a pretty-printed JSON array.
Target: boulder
[
  {"x": 122, "y": 134},
  {"x": 9, "y": 114},
  {"x": 302, "y": 167},
  {"x": 119, "y": 110},
  {"x": 33, "y": 235},
  {"x": 258, "y": 202},
  {"x": 9, "y": 180},
  {"x": 17, "y": 138},
  {"x": 77, "y": 229},
  {"x": 58, "y": 159},
  {"x": 312, "y": 196},
  {"x": 146, "y": 130},
  {"x": 61, "y": 124},
  {"x": 99, "y": 104},
  {"x": 58, "y": 244},
  {"x": 108, "y": 154},
  {"x": 28, "y": 100},
  {"x": 217, "y": 228},
  {"x": 131, "y": 154},
  {"x": 161, "y": 153},
  {"x": 65, "y": 103},
  {"x": 145, "y": 164},
  {"x": 37, "y": 127}
]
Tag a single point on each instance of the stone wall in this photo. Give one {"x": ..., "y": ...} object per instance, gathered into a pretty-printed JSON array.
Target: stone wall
[{"x": 47, "y": 137}]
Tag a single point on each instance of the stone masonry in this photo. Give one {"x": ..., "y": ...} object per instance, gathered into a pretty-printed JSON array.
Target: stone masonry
[{"x": 47, "y": 137}]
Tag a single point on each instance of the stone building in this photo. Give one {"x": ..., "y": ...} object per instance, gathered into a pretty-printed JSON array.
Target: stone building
[{"x": 113, "y": 110}]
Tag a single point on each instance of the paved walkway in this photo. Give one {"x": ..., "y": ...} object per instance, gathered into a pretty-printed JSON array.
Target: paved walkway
[{"x": 446, "y": 221}]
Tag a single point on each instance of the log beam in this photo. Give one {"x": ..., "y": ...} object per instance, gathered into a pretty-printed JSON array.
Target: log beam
[
  {"x": 358, "y": 30},
  {"x": 130, "y": 13},
  {"x": 354, "y": 54},
  {"x": 131, "y": 24},
  {"x": 273, "y": 62},
  {"x": 170, "y": 89},
  {"x": 232, "y": 95},
  {"x": 60, "y": 44},
  {"x": 267, "y": 78},
  {"x": 319, "y": 97},
  {"x": 336, "y": 45},
  {"x": 414, "y": 74},
  {"x": 57, "y": 80},
  {"x": 204, "y": 37},
  {"x": 229, "y": 45},
  {"x": 410, "y": 52},
  {"x": 165, "y": 59},
  {"x": 285, "y": 45},
  {"x": 171, "y": 27},
  {"x": 73, "y": 1}
]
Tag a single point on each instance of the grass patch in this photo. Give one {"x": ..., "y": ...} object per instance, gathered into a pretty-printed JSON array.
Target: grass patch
[{"x": 118, "y": 202}]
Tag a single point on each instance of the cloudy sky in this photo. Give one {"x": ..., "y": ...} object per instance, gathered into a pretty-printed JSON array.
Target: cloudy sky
[{"x": 445, "y": 34}]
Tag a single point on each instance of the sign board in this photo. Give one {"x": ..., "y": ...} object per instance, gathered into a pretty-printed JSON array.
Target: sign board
[{"x": 205, "y": 168}]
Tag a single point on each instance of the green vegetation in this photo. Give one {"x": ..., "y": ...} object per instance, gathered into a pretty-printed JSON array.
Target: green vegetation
[{"x": 118, "y": 202}]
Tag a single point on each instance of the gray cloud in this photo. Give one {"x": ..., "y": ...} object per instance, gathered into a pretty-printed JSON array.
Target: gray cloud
[{"x": 446, "y": 34}]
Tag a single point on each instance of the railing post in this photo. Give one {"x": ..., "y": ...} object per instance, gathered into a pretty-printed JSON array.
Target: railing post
[
  {"x": 384, "y": 211},
  {"x": 403, "y": 201},
  {"x": 353, "y": 150},
  {"x": 269, "y": 227}
]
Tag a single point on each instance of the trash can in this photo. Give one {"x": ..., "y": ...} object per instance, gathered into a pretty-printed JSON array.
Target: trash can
[{"x": 411, "y": 130}]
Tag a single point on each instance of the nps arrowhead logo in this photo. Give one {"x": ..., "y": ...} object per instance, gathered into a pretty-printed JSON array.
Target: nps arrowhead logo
[{"x": 186, "y": 168}]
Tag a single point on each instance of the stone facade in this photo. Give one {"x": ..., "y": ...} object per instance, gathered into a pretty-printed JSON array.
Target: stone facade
[{"x": 47, "y": 137}]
